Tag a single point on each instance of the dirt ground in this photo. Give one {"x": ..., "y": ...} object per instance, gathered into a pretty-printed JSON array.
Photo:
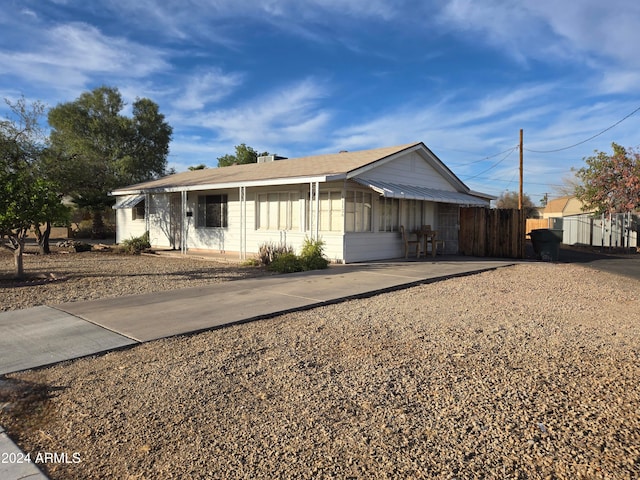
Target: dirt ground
[{"x": 524, "y": 372}]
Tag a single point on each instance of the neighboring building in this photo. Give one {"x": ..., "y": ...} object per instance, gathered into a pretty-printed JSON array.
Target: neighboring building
[
  {"x": 582, "y": 227},
  {"x": 354, "y": 201},
  {"x": 563, "y": 207}
]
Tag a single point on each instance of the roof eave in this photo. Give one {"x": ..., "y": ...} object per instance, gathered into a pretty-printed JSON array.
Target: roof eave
[
  {"x": 229, "y": 185},
  {"x": 482, "y": 195}
]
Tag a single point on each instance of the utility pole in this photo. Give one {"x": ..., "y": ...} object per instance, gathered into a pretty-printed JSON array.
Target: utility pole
[{"x": 520, "y": 195}]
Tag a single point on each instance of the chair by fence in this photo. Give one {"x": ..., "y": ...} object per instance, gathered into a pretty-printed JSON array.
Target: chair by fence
[{"x": 409, "y": 243}]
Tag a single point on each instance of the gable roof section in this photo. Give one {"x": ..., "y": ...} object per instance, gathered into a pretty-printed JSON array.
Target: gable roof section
[
  {"x": 311, "y": 168},
  {"x": 556, "y": 205},
  {"x": 322, "y": 168},
  {"x": 564, "y": 207}
]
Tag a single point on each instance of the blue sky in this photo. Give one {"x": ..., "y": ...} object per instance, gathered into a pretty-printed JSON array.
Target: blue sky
[{"x": 297, "y": 77}]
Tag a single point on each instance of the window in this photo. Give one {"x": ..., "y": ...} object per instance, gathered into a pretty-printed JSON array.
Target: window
[
  {"x": 412, "y": 215},
  {"x": 358, "y": 212},
  {"x": 212, "y": 211},
  {"x": 279, "y": 211},
  {"x": 138, "y": 211},
  {"x": 331, "y": 218},
  {"x": 389, "y": 212}
]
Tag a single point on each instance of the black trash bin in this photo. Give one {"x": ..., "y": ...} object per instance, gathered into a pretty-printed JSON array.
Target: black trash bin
[{"x": 546, "y": 243}]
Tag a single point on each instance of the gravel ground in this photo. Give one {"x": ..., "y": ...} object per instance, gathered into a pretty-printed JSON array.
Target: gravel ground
[
  {"x": 524, "y": 372},
  {"x": 70, "y": 277}
]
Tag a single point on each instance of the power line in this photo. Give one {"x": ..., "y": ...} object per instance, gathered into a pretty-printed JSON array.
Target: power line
[
  {"x": 509, "y": 152},
  {"x": 511, "y": 180},
  {"x": 481, "y": 160},
  {"x": 588, "y": 139}
]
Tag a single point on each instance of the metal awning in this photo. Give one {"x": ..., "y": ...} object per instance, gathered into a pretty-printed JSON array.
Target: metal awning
[
  {"x": 411, "y": 192},
  {"x": 128, "y": 201}
]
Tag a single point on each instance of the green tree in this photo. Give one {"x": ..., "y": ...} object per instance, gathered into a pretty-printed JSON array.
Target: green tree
[
  {"x": 610, "y": 183},
  {"x": 202, "y": 166},
  {"x": 95, "y": 149},
  {"x": 510, "y": 200},
  {"x": 244, "y": 155},
  {"x": 27, "y": 197}
]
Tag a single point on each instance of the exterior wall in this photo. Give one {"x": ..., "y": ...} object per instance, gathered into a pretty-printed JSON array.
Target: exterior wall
[
  {"x": 165, "y": 211},
  {"x": 256, "y": 236},
  {"x": 165, "y": 214},
  {"x": 126, "y": 227},
  {"x": 411, "y": 169},
  {"x": 160, "y": 220},
  {"x": 377, "y": 245},
  {"x": 361, "y": 247},
  {"x": 228, "y": 239},
  {"x": 221, "y": 239}
]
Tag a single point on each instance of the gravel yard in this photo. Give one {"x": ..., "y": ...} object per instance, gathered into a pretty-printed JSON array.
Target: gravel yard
[
  {"x": 524, "y": 372},
  {"x": 70, "y": 277}
]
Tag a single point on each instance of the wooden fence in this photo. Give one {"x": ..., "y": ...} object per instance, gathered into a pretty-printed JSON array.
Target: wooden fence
[
  {"x": 535, "y": 223},
  {"x": 491, "y": 232}
]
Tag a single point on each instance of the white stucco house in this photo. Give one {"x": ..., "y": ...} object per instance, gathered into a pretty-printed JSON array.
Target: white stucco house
[{"x": 354, "y": 201}]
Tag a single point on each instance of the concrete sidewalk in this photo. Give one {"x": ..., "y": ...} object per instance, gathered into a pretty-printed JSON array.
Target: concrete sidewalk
[{"x": 45, "y": 335}]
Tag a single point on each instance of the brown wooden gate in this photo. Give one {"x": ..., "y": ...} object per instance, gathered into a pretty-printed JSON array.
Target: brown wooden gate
[{"x": 491, "y": 232}]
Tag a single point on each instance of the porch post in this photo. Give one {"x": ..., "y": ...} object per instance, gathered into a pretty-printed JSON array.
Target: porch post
[
  {"x": 310, "y": 210},
  {"x": 183, "y": 222},
  {"x": 147, "y": 223},
  {"x": 243, "y": 222},
  {"x": 317, "y": 225}
]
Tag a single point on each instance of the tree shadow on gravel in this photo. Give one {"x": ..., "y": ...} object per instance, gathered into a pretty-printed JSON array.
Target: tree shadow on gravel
[
  {"x": 222, "y": 273},
  {"x": 25, "y": 405}
]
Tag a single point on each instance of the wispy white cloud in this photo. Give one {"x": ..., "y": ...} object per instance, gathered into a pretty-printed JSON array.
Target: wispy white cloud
[
  {"x": 206, "y": 87},
  {"x": 550, "y": 31},
  {"x": 499, "y": 24},
  {"x": 84, "y": 47},
  {"x": 28, "y": 12},
  {"x": 478, "y": 123},
  {"x": 594, "y": 27},
  {"x": 282, "y": 117},
  {"x": 204, "y": 18},
  {"x": 76, "y": 54},
  {"x": 617, "y": 80}
]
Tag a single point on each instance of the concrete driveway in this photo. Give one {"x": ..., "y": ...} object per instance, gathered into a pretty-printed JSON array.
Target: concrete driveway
[{"x": 627, "y": 265}]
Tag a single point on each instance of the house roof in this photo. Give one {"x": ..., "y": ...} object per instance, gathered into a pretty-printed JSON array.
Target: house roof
[
  {"x": 556, "y": 205},
  {"x": 411, "y": 192},
  {"x": 563, "y": 206},
  {"x": 327, "y": 167}
]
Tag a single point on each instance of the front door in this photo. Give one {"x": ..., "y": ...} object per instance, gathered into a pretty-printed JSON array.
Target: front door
[{"x": 448, "y": 226}]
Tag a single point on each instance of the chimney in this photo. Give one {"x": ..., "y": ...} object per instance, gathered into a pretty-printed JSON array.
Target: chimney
[{"x": 270, "y": 158}]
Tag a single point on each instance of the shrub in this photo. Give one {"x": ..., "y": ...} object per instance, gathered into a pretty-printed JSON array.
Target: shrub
[
  {"x": 281, "y": 258},
  {"x": 269, "y": 251},
  {"x": 251, "y": 262},
  {"x": 286, "y": 263},
  {"x": 312, "y": 255},
  {"x": 136, "y": 245}
]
